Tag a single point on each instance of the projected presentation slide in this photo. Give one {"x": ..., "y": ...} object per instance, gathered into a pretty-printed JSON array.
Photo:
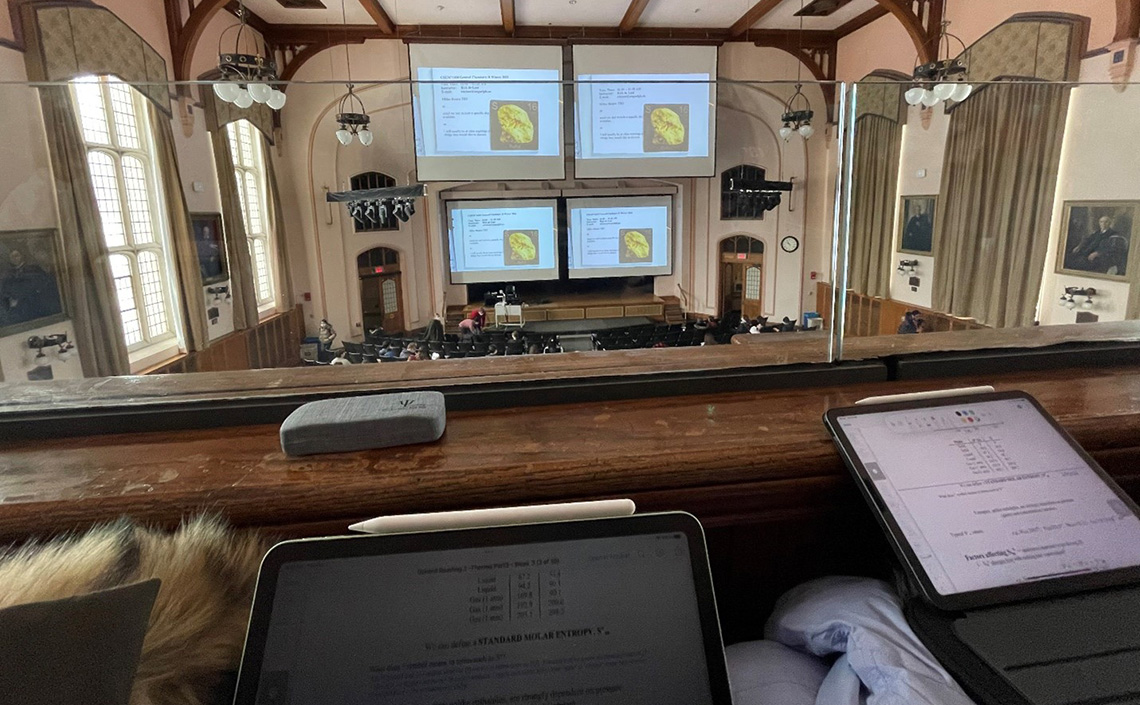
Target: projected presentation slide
[
  {"x": 487, "y": 112},
  {"x": 502, "y": 241},
  {"x": 641, "y": 111},
  {"x": 620, "y": 237}
]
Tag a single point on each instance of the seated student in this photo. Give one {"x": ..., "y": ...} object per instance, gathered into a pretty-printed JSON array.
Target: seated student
[
  {"x": 912, "y": 322},
  {"x": 409, "y": 351},
  {"x": 534, "y": 349},
  {"x": 392, "y": 351}
]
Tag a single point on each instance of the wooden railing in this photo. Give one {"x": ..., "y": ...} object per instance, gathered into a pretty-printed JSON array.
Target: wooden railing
[
  {"x": 275, "y": 342},
  {"x": 872, "y": 316}
]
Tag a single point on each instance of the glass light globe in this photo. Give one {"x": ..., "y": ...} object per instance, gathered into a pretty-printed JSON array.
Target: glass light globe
[
  {"x": 344, "y": 136},
  {"x": 260, "y": 92},
  {"x": 785, "y": 132},
  {"x": 365, "y": 136},
  {"x": 226, "y": 90},
  {"x": 1070, "y": 304},
  {"x": 276, "y": 99},
  {"x": 961, "y": 92},
  {"x": 243, "y": 99},
  {"x": 929, "y": 99},
  {"x": 1087, "y": 304},
  {"x": 806, "y": 131},
  {"x": 944, "y": 90},
  {"x": 914, "y": 95},
  {"x": 42, "y": 360}
]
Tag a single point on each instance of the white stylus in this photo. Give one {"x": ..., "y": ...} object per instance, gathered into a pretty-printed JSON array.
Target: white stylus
[
  {"x": 935, "y": 394},
  {"x": 499, "y": 516}
]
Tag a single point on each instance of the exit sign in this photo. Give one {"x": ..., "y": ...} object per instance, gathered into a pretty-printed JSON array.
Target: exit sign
[
  {"x": 741, "y": 255},
  {"x": 378, "y": 270}
]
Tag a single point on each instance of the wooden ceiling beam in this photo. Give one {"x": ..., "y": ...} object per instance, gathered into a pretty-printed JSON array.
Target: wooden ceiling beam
[
  {"x": 754, "y": 15},
  {"x": 191, "y": 32},
  {"x": 632, "y": 15},
  {"x": 378, "y": 15},
  {"x": 507, "y": 8},
  {"x": 251, "y": 18},
  {"x": 1127, "y": 20},
  {"x": 304, "y": 34},
  {"x": 857, "y": 23}
]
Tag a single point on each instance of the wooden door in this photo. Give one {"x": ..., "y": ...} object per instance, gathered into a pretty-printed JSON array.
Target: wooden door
[
  {"x": 753, "y": 275},
  {"x": 731, "y": 286},
  {"x": 380, "y": 299}
]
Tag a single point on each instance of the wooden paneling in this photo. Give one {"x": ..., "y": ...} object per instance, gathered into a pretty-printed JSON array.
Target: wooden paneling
[
  {"x": 874, "y": 316},
  {"x": 605, "y": 312},
  {"x": 275, "y": 342},
  {"x": 757, "y": 469}
]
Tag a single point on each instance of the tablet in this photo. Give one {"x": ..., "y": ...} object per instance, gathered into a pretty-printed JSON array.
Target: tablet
[
  {"x": 987, "y": 500},
  {"x": 595, "y": 611}
]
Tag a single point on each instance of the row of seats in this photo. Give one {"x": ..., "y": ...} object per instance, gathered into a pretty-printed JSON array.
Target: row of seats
[{"x": 656, "y": 335}]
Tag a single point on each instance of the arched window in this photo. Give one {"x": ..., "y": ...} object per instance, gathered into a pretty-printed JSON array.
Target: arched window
[
  {"x": 120, "y": 159},
  {"x": 373, "y": 222},
  {"x": 741, "y": 245},
  {"x": 249, "y": 171},
  {"x": 377, "y": 257},
  {"x": 735, "y": 206}
]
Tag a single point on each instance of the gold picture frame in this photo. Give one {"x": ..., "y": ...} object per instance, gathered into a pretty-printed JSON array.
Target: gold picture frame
[{"x": 1096, "y": 239}]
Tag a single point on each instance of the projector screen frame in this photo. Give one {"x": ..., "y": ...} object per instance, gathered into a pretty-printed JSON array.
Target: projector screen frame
[
  {"x": 663, "y": 173},
  {"x": 518, "y": 162},
  {"x": 458, "y": 204},
  {"x": 618, "y": 271}
]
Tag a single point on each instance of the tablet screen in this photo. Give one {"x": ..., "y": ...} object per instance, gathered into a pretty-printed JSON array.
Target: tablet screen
[
  {"x": 609, "y": 619},
  {"x": 989, "y": 494}
]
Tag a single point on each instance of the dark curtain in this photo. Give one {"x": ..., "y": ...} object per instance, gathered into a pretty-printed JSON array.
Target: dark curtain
[
  {"x": 875, "y": 170},
  {"x": 999, "y": 179}
]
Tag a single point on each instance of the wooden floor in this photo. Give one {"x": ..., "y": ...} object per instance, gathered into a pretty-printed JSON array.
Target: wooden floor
[{"x": 756, "y": 468}]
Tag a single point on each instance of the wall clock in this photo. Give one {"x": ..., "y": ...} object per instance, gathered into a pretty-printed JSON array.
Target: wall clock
[{"x": 789, "y": 244}]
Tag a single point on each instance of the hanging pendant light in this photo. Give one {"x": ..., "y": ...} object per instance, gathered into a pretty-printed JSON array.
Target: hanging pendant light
[
  {"x": 351, "y": 116},
  {"x": 246, "y": 78},
  {"x": 798, "y": 118},
  {"x": 943, "y": 79},
  {"x": 352, "y": 119}
]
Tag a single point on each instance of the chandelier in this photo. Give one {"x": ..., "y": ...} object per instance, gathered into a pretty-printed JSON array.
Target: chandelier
[
  {"x": 246, "y": 78},
  {"x": 941, "y": 79},
  {"x": 352, "y": 119},
  {"x": 798, "y": 119}
]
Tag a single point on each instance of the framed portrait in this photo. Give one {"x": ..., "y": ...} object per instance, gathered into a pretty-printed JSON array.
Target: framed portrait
[
  {"x": 211, "y": 246},
  {"x": 916, "y": 226},
  {"x": 1096, "y": 238},
  {"x": 31, "y": 290}
]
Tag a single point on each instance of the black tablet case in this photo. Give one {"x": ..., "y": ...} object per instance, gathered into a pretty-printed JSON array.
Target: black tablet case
[{"x": 1075, "y": 650}]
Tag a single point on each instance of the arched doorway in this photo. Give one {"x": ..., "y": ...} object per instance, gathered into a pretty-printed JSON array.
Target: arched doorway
[
  {"x": 381, "y": 297},
  {"x": 741, "y": 281}
]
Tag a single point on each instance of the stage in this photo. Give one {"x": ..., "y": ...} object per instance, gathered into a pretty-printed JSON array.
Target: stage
[
  {"x": 586, "y": 308},
  {"x": 583, "y": 326}
]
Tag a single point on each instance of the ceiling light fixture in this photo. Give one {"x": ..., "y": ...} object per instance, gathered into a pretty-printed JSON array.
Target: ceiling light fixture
[
  {"x": 246, "y": 78},
  {"x": 351, "y": 117},
  {"x": 798, "y": 119},
  {"x": 945, "y": 78}
]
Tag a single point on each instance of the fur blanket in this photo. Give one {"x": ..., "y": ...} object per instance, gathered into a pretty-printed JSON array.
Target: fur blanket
[{"x": 197, "y": 627}]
